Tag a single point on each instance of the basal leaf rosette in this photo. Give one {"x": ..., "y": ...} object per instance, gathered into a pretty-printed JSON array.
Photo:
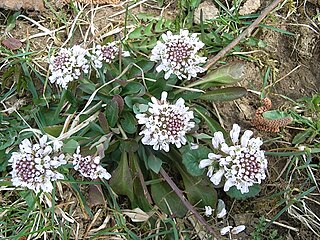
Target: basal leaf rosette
[
  {"x": 165, "y": 123},
  {"x": 35, "y": 165},
  {"x": 178, "y": 55},
  {"x": 242, "y": 164}
]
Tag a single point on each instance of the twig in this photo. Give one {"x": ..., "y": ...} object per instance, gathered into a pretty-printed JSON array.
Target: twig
[
  {"x": 186, "y": 202},
  {"x": 245, "y": 33}
]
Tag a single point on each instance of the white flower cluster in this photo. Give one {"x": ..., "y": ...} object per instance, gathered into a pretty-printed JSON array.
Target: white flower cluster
[
  {"x": 104, "y": 53},
  {"x": 34, "y": 165},
  {"x": 165, "y": 123},
  {"x": 68, "y": 65},
  {"x": 89, "y": 167},
  {"x": 242, "y": 164},
  {"x": 178, "y": 54}
]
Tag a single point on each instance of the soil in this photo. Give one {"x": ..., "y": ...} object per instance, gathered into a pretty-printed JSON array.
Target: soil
[{"x": 284, "y": 53}]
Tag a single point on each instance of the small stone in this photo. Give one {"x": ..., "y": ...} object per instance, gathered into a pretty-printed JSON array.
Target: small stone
[
  {"x": 209, "y": 11},
  {"x": 250, "y": 6}
]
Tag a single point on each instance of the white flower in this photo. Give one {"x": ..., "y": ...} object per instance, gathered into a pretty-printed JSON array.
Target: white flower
[
  {"x": 238, "y": 229},
  {"x": 165, "y": 123},
  {"x": 225, "y": 230},
  {"x": 34, "y": 166},
  {"x": 89, "y": 166},
  {"x": 221, "y": 209},
  {"x": 208, "y": 211},
  {"x": 216, "y": 178},
  {"x": 234, "y": 230},
  {"x": 194, "y": 146},
  {"x": 242, "y": 164},
  {"x": 68, "y": 65},
  {"x": 104, "y": 53},
  {"x": 177, "y": 55}
]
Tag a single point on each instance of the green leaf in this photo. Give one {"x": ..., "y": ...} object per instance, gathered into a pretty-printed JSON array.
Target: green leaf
[
  {"x": 145, "y": 65},
  {"x": 199, "y": 190},
  {"x": 213, "y": 125},
  {"x": 139, "y": 194},
  {"x": 128, "y": 122},
  {"x": 235, "y": 193},
  {"x": 112, "y": 113},
  {"x": 54, "y": 130},
  {"x": 167, "y": 200},
  {"x": 129, "y": 145},
  {"x": 95, "y": 127},
  {"x": 228, "y": 74},
  {"x": 224, "y": 94},
  {"x": 87, "y": 87},
  {"x": 302, "y": 137},
  {"x": 28, "y": 197},
  {"x": 154, "y": 163},
  {"x": 275, "y": 114},
  {"x": 192, "y": 157},
  {"x": 133, "y": 88},
  {"x": 189, "y": 95},
  {"x": 7, "y": 140},
  {"x": 121, "y": 180},
  {"x": 70, "y": 146},
  {"x": 11, "y": 21}
]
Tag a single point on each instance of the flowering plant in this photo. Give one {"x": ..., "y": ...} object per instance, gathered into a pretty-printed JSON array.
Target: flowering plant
[{"x": 131, "y": 115}]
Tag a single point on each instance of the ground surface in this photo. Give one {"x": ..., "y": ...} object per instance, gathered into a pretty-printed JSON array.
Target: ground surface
[{"x": 294, "y": 61}]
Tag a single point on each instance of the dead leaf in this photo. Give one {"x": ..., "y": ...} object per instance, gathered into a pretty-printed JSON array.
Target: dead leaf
[
  {"x": 136, "y": 215},
  {"x": 12, "y": 43},
  {"x": 96, "y": 196}
]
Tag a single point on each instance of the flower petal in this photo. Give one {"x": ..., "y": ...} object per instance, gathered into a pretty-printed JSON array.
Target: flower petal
[
  {"x": 217, "y": 139},
  {"x": 216, "y": 178},
  {"x": 208, "y": 211},
  {"x": 234, "y": 133},
  {"x": 245, "y": 138},
  {"x": 205, "y": 163},
  {"x": 238, "y": 229},
  {"x": 225, "y": 230}
]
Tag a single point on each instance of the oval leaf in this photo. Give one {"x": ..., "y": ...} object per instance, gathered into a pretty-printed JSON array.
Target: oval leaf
[
  {"x": 191, "y": 159},
  {"x": 224, "y": 94},
  {"x": 167, "y": 200},
  {"x": 199, "y": 190},
  {"x": 235, "y": 193},
  {"x": 128, "y": 122},
  {"x": 70, "y": 146},
  {"x": 154, "y": 163},
  {"x": 112, "y": 113},
  {"x": 213, "y": 125},
  {"x": 12, "y": 43},
  {"x": 228, "y": 74},
  {"x": 121, "y": 181}
]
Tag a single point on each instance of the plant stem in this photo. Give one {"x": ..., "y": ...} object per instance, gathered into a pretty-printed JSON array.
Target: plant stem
[
  {"x": 186, "y": 202},
  {"x": 245, "y": 33}
]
